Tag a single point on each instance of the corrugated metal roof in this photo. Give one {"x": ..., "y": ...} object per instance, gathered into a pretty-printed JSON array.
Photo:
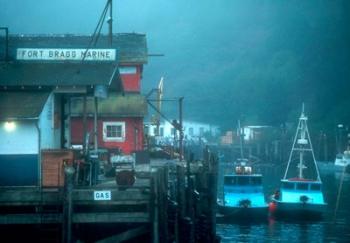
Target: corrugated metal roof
[
  {"x": 131, "y": 47},
  {"x": 22, "y": 105},
  {"x": 116, "y": 105},
  {"x": 57, "y": 74}
]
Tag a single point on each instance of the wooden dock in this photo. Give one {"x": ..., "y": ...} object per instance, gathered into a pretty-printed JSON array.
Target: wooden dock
[{"x": 171, "y": 201}]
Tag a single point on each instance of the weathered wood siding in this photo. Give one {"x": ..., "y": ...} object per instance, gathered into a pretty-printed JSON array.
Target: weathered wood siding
[{"x": 133, "y": 140}]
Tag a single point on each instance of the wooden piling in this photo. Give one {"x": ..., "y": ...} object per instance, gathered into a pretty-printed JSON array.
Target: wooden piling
[
  {"x": 163, "y": 204},
  {"x": 212, "y": 195},
  {"x": 154, "y": 207},
  {"x": 181, "y": 191},
  {"x": 212, "y": 205}
]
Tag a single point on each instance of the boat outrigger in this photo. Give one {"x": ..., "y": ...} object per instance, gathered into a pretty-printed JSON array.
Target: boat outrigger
[
  {"x": 300, "y": 196},
  {"x": 243, "y": 196}
]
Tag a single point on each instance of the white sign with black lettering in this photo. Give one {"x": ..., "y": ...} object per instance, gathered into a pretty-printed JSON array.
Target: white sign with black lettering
[
  {"x": 102, "y": 195},
  {"x": 57, "y": 54}
]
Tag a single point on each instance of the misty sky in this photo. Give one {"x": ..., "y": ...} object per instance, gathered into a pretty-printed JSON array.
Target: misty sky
[{"x": 257, "y": 58}]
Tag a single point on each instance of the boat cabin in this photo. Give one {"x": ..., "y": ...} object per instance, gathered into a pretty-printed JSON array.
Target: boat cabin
[
  {"x": 305, "y": 191},
  {"x": 241, "y": 189}
]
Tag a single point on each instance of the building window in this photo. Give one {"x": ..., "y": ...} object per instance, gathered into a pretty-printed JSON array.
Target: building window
[
  {"x": 190, "y": 131},
  {"x": 173, "y": 131},
  {"x": 161, "y": 131},
  {"x": 114, "y": 131}
]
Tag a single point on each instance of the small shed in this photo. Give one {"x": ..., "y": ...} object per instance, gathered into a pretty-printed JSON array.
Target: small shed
[{"x": 23, "y": 131}]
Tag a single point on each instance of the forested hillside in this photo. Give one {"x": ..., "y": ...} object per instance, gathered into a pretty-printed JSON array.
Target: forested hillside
[{"x": 256, "y": 60}]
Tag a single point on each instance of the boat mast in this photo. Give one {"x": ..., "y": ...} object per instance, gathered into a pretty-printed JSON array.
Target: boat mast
[{"x": 302, "y": 143}]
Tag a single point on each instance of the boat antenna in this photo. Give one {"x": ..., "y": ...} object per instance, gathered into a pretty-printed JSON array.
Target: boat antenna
[{"x": 303, "y": 109}]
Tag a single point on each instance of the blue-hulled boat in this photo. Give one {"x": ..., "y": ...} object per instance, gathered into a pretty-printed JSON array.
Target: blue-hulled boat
[
  {"x": 243, "y": 195},
  {"x": 301, "y": 195}
]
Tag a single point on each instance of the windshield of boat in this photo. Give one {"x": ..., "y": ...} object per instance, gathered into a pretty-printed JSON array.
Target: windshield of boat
[
  {"x": 315, "y": 187},
  {"x": 302, "y": 186},
  {"x": 242, "y": 181},
  {"x": 288, "y": 185}
]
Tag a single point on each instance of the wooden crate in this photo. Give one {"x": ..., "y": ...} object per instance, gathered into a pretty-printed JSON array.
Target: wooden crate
[{"x": 52, "y": 166}]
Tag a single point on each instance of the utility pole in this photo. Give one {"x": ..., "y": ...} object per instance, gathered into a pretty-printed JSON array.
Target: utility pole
[
  {"x": 181, "y": 137},
  {"x": 110, "y": 22}
]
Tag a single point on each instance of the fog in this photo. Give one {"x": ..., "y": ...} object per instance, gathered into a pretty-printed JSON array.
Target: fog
[{"x": 257, "y": 60}]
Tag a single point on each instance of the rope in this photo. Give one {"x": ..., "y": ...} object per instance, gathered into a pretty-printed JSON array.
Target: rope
[
  {"x": 338, "y": 196},
  {"x": 97, "y": 30}
]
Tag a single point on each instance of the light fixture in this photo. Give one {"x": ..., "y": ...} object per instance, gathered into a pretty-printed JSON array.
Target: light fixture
[{"x": 10, "y": 126}]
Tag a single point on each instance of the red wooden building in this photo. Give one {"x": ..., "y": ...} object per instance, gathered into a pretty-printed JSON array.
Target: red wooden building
[
  {"x": 119, "y": 122},
  {"x": 120, "y": 115}
]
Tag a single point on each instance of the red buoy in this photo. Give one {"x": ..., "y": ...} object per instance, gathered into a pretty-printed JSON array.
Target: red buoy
[{"x": 272, "y": 207}]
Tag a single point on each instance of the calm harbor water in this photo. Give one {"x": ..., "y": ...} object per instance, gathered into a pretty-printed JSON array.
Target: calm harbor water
[{"x": 332, "y": 228}]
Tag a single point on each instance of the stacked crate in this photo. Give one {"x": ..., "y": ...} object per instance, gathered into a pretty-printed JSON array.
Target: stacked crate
[{"x": 52, "y": 166}]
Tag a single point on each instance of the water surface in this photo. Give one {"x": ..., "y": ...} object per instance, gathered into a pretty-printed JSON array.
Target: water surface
[{"x": 334, "y": 227}]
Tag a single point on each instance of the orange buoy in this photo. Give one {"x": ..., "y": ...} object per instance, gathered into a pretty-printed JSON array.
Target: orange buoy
[{"x": 272, "y": 207}]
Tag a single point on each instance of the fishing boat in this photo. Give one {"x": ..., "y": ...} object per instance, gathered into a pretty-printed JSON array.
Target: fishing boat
[
  {"x": 243, "y": 196},
  {"x": 301, "y": 195},
  {"x": 342, "y": 159}
]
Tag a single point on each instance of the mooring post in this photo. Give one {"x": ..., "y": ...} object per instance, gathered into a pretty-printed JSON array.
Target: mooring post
[
  {"x": 162, "y": 204},
  {"x": 189, "y": 189},
  {"x": 212, "y": 187},
  {"x": 180, "y": 197},
  {"x": 67, "y": 204},
  {"x": 181, "y": 190},
  {"x": 154, "y": 207},
  {"x": 212, "y": 205}
]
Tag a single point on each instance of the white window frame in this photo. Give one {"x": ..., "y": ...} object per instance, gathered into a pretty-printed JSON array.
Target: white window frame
[
  {"x": 113, "y": 139},
  {"x": 127, "y": 70}
]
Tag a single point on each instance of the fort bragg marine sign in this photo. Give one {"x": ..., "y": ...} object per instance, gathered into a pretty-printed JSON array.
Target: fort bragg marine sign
[{"x": 58, "y": 54}]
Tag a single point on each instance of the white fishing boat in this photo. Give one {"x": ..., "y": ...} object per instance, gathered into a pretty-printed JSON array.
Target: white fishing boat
[
  {"x": 342, "y": 159},
  {"x": 243, "y": 195},
  {"x": 300, "y": 195}
]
